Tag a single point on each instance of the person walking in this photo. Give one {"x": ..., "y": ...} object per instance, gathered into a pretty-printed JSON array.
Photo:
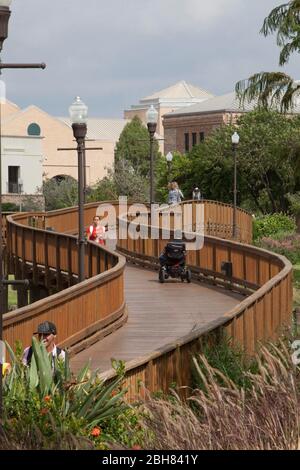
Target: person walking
[
  {"x": 196, "y": 194},
  {"x": 175, "y": 195},
  {"x": 96, "y": 231}
]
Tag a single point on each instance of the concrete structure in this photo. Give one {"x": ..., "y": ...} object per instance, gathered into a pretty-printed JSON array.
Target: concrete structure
[
  {"x": 22, "y": 169},
  {"x": 173, "y": 98},
  {"x": 33, "y": 122},
  {"x": 188, "y": 126}
]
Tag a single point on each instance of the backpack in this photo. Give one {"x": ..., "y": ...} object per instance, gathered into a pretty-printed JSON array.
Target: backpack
[{"x": 30, "y": 352}]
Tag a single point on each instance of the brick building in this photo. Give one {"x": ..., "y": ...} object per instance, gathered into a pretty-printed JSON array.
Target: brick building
[{"x": 189, "y": 126}]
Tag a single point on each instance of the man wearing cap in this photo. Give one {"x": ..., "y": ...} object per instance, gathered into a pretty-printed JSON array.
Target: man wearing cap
[
  {"x": 196, "y": 194},
  {"x": 47, "y": 335}
]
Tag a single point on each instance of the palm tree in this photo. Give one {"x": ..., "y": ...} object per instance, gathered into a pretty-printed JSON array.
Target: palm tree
[{"x": 276, "y": 88}]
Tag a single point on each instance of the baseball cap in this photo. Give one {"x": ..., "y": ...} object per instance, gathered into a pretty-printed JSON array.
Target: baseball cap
[{"x": 46, "y": 328}]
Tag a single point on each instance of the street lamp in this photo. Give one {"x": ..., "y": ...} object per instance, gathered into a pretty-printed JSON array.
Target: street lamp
[
  {"x": 78, "y": 113},
  {"x": 152, "y": 117},
  {"x": 235, "y": 138},
  {"x": 4, "y": 19},
  {"x": 169, "y": 158}
]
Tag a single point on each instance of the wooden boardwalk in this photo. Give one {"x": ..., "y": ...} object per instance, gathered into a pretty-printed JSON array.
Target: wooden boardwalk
[{"x": 157, "y": 315}]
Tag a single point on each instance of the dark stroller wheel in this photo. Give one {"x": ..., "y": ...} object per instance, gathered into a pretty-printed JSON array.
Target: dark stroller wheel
[
  {"x": 161, "y": 276},
  {"x": 188, "y": 275}
]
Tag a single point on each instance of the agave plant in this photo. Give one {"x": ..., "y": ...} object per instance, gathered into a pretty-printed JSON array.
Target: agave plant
[{"x": 47, "y": 390}]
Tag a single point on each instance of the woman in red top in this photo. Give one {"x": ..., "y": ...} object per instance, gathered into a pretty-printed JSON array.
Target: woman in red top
[{"x": 96, "y": 231}]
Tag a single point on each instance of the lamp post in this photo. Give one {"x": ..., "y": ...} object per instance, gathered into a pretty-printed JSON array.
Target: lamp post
[
  {"x": 151, "y": 116},
  {"x": 235, "y": 138},
  {"x": 169, "y": 158},
  {"x": 20, "y": 190},
  {"x": 4, "y": 19},
  {"x": 78, "y": 113}
]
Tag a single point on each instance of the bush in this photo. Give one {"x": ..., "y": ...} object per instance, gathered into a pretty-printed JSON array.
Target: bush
[
  {"x": 224, "y": 417},
  {"x": 283, "y": 244},
  {"x": 229, "y": 360},
  {"x": 10, "y": 207},
  {"x": 58, "y": 410},
  {"x": 272, "y": 225}
]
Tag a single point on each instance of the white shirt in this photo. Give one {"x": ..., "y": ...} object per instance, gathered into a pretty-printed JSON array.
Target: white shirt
[{"x": 61, "y": 356}]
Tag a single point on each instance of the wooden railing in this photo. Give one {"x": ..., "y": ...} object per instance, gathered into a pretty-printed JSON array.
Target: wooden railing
[
  {"x": 82, "y": 311},
  {"x": 218, "y": 218},
  {"x": 260, "y": 317},
  {"x": 4, "y": 217}
]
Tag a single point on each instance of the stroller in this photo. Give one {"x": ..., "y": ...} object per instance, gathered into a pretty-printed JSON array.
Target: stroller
[{"x": 172, "y": 262}]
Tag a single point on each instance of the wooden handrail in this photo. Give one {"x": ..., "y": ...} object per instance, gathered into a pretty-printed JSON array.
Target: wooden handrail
[
  {"x": 259, "y": 317},
  {"x": 80, "y": 310}
]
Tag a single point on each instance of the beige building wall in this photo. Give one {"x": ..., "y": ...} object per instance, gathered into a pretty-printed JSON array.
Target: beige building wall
[
  {"x": 57, "y": 134},
  {"x": 8, "y": 109},
  {"x": 141, "y": 113}
]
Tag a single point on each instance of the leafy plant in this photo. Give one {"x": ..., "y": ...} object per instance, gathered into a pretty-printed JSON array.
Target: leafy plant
[
  {"x": 272, "y": 225},
  {"x": 230, "y": 362},
  {"x": 47, "y": 396}
]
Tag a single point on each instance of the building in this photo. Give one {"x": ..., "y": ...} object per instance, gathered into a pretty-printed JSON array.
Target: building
[
  {"x": 104, "y": 133},
  {"x": 22, "y": 162},
  {"x": 31, "y": 140},
  {"x": 189, "y": 126},
  {"x": 174, "y": 98}
]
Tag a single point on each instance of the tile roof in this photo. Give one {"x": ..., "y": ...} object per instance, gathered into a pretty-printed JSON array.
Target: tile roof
[
  {"x": 228, "y": 103},
  {"x": 181, "y": 90}
]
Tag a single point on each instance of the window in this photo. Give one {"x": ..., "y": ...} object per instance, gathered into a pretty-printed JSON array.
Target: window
[
  {"x": 13, "y": 179},
  {"x": 33, "y": 129},
  {"x": 186, "y": 142},
  {"x": 194, "y": 139},
  {"x": 201, "y": 136}
]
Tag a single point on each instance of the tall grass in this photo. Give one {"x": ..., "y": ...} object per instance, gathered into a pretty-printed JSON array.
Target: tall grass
[{"x": 225, "y": 417}]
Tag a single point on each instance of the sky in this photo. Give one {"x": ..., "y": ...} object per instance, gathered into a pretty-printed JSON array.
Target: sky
[{"x": 112, "y": 53}]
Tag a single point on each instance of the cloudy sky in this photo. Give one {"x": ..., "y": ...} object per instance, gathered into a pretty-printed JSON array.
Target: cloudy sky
[{"x": 114, "y": 52}]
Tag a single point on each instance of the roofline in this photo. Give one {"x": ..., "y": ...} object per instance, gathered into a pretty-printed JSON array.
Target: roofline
[
  {"x": 197, "y": 113},
  {"x": 10, "y": 118},
  {"x": 10, "y": 136}
]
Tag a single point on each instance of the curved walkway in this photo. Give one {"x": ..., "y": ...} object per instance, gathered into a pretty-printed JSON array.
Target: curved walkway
[{"x": 157, "y": 315}]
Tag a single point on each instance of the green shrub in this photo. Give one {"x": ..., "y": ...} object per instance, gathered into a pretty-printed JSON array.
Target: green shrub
[
  {"x": 58, "y": 404},
  {"x": 9, "y": 207},
  {"x": 228, "y": 360},
  {"x": 272, "y": 225}
]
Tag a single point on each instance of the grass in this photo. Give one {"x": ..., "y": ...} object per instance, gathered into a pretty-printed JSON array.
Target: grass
[
  {"x": 12, "y": 294},
  {"x": 224, "y": 417}
]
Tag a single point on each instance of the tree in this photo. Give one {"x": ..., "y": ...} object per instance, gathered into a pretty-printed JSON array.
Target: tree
[
  {"x": 133, "y": 147},
  {"x": 273, "y": 88},
  {"x": 268, "y": 163},
  {"x": 122, "y": 180},
  {"x": 60, "y": 193}
]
